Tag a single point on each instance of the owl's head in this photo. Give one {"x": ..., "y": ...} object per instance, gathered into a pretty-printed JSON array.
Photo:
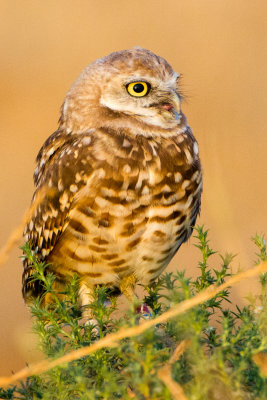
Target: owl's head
[{"x": 132, "y": 87}]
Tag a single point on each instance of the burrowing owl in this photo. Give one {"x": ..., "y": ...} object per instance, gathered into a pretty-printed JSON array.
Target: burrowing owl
[{"x": 126, "y": 178}]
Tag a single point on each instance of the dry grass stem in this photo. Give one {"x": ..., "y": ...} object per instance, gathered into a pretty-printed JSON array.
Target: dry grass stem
[
  {"x": 179, "y": 351},
  {"x": 17, "y": 233},
  {"x": 165, "y": 373},
  {"x": 261, "y": 360},
  {"x": 112, "y": 338},
  {"x": 130, "y": 393},
  {"x": 175, "y": 389}
]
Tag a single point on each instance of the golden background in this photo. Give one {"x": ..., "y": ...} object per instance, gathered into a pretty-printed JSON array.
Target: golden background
[{"x": 219, "y": 46}]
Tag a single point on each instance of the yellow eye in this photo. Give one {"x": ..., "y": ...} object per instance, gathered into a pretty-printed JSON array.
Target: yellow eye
[{"x": 138, "y": 89}]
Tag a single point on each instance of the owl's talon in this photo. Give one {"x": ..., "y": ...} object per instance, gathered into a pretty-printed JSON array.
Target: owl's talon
[
  {"x": 143, "y": 311},
  {"x": 94, "y": 324}
]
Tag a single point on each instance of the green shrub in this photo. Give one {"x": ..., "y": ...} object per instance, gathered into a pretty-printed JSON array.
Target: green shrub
[{"x": 217, "y": 363}]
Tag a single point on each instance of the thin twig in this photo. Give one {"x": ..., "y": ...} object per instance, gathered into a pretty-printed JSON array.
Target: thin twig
[
  {"x": 175, "y": 389},
  {"x": 165, "y": 375},
  {"x": 110, "y": 339},
  {"x": 261, "y": 360},
  {"x": 179, "y": 351},
  {"x": 130, "y": 393}
]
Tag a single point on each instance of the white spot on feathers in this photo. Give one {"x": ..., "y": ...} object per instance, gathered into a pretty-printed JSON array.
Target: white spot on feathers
[
  {"x": 50, "y": 152},
  {"x": 45, "y": 252},
  {"x": 185, "y": 184},
  {"x": 60, "y": 185},
  {"x": 188, "y": 156},
  {"x": 78, "y": 177},
  {"x": 53, "y": 213},
  {"x": 126, "y": 143},
  {"x": 73, "y": 188},
  {"x": 195, "y": 148},
  {"x": 46, "y": 233},
  {"x": 64, "y": 201},
  {"x": 145, "y": 190},
  {"x": 40, "y": 242},
  {"x": 86, "y": 141},
  {"x": 126, "y": 168}
]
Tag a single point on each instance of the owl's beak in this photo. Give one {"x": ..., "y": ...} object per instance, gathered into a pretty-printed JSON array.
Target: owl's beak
[
  {"x": 175, "y": 101},
  {"x": 172, "y": 106}
]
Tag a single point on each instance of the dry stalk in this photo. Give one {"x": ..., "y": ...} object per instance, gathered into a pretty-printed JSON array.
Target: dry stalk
[
  {"x": 261, "y": 360},
  {"x": 165, "y": 375},
  {"x": 112, "y": 338},
  {"x": 175, "y": 389},
  {"x": 179, "y": 351},
  {"x": 130, "y": 393}
]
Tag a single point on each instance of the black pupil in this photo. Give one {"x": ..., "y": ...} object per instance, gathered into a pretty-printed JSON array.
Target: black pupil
[{"x": 138, "y": 87}]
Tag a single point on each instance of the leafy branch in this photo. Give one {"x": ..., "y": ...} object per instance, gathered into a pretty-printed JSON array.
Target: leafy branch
[{"x": 133, "y": 358}]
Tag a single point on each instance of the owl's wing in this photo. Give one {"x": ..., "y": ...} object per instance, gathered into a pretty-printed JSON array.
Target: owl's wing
[{"x": 63, "y": 168}]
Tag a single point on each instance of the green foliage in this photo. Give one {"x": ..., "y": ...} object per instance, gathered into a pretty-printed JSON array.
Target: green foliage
[{"x": 216, "y": 365}]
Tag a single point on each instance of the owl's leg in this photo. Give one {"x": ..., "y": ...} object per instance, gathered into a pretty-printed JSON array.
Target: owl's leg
[
  {"x": 86, "y": 298},
  {"x": 127, "y": 286}
]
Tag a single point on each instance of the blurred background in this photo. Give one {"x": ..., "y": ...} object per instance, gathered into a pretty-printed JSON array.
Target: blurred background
[{"x": 220, "y": 49}]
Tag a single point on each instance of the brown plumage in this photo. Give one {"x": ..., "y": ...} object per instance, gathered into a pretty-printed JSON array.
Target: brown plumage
[{"x": 125, "y": 173}]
